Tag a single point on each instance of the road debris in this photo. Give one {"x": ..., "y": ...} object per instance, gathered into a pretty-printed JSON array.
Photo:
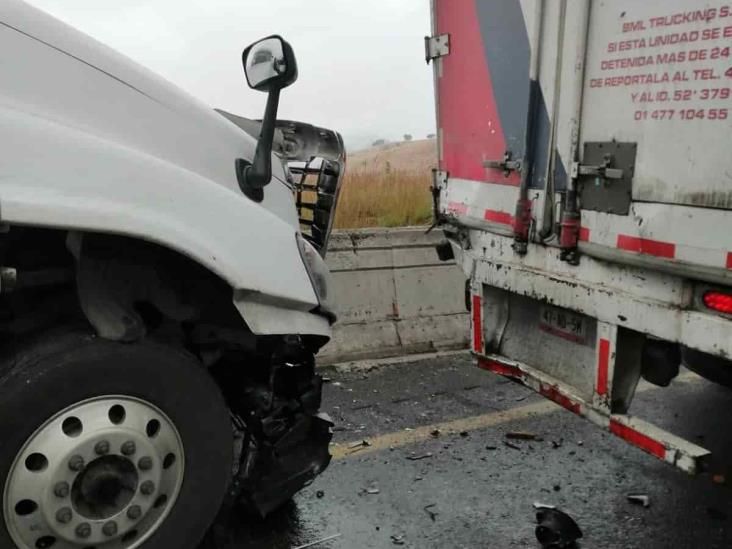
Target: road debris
[
  {"x": 435, "y": 433},
  {"x": 464, "y": 434},
  {"x": 640, "y": 499},
  {"x": 511, "y": 445},
  {"x": 372, "y": 490},
  {"x": 319, "y": 494},
  {"x": 412, "y": 457},
  {"x": 318, "y": 542},
  {"x": 556, "y": 529},
  {"x": 397, "y": 539},
  {"x": 538, "y": 505},
  {"x": 428, "y": 510},
  {"x": 359, "y": 446},
  {"x": 491, "y": 447},
  {"x": 520, "y": 435},
  {"x": 557, "y": 443}
]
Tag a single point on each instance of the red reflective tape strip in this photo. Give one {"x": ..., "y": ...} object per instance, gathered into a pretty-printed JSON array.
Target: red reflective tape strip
[
  {"x": 644, "y": 442},
  {"x": 646, "y": 246},
  {"x": 584, "y": 234},
  {"x": 457, "y": 207},
  {"x": 603, "y": 362},
  {"x": 552, "y": 393},
  {"x": 477, "y": 325},
  {"x": 729, "y": 260},
  {"x": 499, "y": 368},
  {"x": 498, "y": 217}
]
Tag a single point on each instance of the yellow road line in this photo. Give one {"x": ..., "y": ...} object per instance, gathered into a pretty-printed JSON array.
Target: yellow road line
[{"x": 399, "y": 439}]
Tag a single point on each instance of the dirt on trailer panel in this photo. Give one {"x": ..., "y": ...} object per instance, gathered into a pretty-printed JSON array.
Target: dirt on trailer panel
[{"x": 437, "y": 469}]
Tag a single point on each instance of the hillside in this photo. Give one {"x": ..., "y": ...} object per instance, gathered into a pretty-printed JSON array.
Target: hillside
[
  {"x": 407, "y": 156},
  {"x": 388, "y": 186}
]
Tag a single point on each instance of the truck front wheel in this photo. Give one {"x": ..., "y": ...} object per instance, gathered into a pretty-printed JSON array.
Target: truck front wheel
[{"x": 105, "y": 444}]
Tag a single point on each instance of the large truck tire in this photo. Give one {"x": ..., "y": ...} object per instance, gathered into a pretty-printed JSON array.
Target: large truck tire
[
  {"x": 713, "y": 368},
  {"x": 104, "y": 444}
]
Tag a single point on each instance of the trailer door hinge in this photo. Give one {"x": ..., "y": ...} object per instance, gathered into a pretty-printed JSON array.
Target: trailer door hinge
[
  {"x": 439, "y": 183},
  {"x": 436, "y": 46},
  {"x": 507, "y": 164}
]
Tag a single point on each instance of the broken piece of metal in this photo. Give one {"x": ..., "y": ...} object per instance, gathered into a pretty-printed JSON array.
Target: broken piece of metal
[
  {"x": 640, "y": 499},
  {"x": 358, "y": 446},
  {"x": 397, "y": 539},
  {"x": 520, "y": 435},
  {"x": 417, "y": 458},
  {"x": 428, "y": 510},
  {"x": 556, "y": 529}
]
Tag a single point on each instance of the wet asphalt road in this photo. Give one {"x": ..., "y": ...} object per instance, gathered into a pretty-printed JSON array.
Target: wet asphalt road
[{"x": 471, "y": 490}]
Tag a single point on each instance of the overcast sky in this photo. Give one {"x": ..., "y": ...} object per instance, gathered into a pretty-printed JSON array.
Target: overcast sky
[{"x": 361, "y": 62}]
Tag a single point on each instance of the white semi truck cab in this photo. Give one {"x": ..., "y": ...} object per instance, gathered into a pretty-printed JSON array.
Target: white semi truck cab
[
  {"x": 163, "y": 294},
  {"x": 585, "y": 187}
]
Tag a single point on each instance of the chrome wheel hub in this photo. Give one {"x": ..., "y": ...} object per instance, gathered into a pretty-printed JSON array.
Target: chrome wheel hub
[{"x": 102, "y": 473}]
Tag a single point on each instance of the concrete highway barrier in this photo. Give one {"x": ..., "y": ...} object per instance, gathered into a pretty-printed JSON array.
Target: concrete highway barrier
[{"x": 393, "y": 295}]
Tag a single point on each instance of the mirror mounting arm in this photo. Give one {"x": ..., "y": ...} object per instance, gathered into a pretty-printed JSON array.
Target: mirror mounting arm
[{"x": 254, "y": 176}]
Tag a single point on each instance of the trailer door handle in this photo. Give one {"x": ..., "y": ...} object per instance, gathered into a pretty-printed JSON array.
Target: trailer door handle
[{"x": 602, "y": 170}]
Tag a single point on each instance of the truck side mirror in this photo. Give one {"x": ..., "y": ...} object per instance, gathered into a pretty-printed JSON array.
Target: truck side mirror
[{"x": 269, "y": 66}]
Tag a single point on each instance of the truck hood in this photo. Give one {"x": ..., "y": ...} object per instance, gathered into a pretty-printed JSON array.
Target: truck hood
[{"x": 110, "y": 96}]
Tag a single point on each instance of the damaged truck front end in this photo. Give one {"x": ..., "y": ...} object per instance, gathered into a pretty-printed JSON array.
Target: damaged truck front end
[{"x": 163, "y": 295}]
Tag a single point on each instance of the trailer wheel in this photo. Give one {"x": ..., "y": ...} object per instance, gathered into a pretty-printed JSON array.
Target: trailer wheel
[
  {"x": 105, "y": 444},
  {"x": 713, "y": 368}
]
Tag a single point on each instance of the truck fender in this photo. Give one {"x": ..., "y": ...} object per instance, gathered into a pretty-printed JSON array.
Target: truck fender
[{"x": 56, "y": 176}]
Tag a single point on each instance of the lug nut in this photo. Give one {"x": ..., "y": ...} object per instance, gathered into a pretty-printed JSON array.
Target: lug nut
[
  {"x": 83, "y": 530},
  {"x": 62, "y": 489},
  {"x": 109, "y": 529},
  {"x": 147, "y": 488},
  {"x": 64, "y": 515},
  {"x": 134, "y": 512},
  {"x": 76, "y": 463},
  {"x": 102, "y": 448},
  {"x": 145, "y": 463},
  {"x": 129, "y": 448}
]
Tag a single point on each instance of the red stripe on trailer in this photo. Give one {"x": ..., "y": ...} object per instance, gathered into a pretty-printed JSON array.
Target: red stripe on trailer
[
  {"x": 584, "y": 234},
  {"x": 457, "y": 207},
  {"x": 729, "y": 260},
  {"x": 498, "y": 217},
  {"x": 603, "y": 362},
  {"x": 477, "y": 325},
  {"x": 552, "y": 393},
  {"x": 499, "y": 368},
  {"x": 636, "y": 438},
  {"x": 646, "y": 246}
]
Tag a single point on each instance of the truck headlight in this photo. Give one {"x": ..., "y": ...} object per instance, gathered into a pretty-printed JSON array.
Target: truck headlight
[{"x": 319, "y": 276}]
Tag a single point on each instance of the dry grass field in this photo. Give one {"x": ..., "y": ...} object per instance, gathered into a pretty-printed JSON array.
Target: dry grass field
[{"x": 388, "y": 186}]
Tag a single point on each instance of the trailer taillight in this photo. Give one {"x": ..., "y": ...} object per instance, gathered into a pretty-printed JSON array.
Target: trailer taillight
[{"x": 718, "y": 301}]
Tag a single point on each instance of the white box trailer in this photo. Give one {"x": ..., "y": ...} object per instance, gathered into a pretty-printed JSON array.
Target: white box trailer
[{"x": 585, "y": 185}]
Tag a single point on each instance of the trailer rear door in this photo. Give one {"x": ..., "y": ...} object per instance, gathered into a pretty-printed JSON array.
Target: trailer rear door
[{"x": 659, "y": 74}]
